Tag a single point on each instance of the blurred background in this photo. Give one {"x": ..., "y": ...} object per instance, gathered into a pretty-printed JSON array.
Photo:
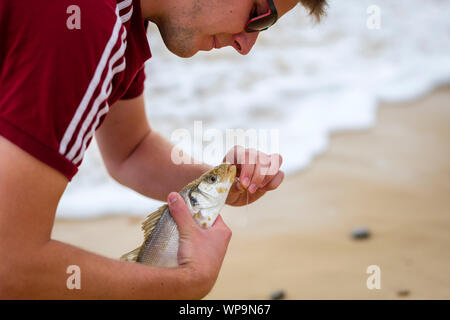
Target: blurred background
[{"x": 362, "y": 107}]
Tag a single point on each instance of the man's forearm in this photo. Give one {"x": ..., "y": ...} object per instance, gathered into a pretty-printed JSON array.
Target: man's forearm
[
  {"x": 41, "y": 273},
  {"x": 150, "y": 171}
]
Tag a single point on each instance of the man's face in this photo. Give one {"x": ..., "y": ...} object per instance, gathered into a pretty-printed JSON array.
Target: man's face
[{"x": 194, "y": 25}]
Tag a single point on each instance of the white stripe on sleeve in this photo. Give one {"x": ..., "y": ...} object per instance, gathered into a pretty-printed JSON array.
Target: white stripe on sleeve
[
  {"x": 92, "y": 87},
  {"x": 104, "y": 94}
]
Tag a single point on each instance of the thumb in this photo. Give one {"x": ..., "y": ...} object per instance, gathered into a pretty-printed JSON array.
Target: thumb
[{"x": 180, "y": 212}]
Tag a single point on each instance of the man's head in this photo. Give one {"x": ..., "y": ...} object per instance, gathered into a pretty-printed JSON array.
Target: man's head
[{"x": 189, "y": 26}]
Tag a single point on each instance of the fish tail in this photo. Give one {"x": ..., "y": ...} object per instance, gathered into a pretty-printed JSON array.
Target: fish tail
[{"x": 131, "y": 256}]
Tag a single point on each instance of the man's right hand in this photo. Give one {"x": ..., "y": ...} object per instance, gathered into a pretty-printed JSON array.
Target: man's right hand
[{"x": 201, "y": 251}]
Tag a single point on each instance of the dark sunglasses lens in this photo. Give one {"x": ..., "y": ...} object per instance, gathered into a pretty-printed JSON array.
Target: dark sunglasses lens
[{"x": 261, "y": 23}]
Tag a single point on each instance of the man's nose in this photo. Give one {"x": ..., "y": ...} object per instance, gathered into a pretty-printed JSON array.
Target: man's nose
[{"x": 243, "y": 42}]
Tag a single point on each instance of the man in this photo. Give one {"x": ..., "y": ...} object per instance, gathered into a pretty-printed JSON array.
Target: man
[{"x": 64, "y": 66}]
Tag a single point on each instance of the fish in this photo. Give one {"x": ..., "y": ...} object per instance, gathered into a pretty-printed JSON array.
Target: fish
[{"x": 204, "y": 197}]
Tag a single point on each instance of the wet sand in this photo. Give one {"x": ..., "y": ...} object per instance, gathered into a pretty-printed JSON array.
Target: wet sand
[{"x": 393, "y": 179}]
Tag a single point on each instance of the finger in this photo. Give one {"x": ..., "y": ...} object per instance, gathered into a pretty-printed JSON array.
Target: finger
[
  {"x": 275, "y": 182},
  {"x": 258, "y": 174},
  {"x": 235, "y": 156},
  {"x": 240, "y": 162},
  {"x": 219, "y": 224},
  {"x": 265, "y": 170},
  {"x": 275, "y": 163},
  {"x": 255, "y": 196},
  {"x": 180, "y": 212},
  {"x": 236, "y": 187},
  {"x": 248, "y": 167}
]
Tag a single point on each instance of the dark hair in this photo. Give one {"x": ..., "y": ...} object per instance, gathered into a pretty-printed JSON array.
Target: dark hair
[{"x": 316, "y": 8}]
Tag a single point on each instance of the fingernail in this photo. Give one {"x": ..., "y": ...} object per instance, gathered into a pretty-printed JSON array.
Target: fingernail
[
  {"x": 252, "y": 188},
  {"x": 173, "y": 198},
  {"x": 239, "y": 187},
  {"x": 245, "y": 182}
]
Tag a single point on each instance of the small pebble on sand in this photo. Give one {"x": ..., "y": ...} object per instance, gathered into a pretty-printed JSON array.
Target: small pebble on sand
[
  {"x": 277, "y": 295},
  {"x": 360, "y": 233},
  {"x": 403, "y": 292}
]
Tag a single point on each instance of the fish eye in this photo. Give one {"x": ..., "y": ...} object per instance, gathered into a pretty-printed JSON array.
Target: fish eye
[{"x": 212, "y": 179}]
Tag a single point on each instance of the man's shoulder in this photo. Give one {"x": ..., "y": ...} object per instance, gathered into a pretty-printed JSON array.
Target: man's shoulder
[
  {"x": 57, "y": 18},
  {"x": 94, "y": 14},
  {"x": 107, "y": 7},
  {"x": 40, "y": 9}
]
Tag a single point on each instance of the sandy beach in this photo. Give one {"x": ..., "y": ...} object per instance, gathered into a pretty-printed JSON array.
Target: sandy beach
[{"x": 393, "y": 179}]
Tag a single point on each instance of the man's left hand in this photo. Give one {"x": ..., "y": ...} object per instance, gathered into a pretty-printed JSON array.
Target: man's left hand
[{"x": 257, "y": 173}]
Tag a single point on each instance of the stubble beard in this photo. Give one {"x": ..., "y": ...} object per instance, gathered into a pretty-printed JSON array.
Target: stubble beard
[{"x": 178, "y": 39}]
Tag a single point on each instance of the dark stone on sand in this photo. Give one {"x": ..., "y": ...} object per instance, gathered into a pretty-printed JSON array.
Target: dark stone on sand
[
  {"x": 360, "y": 233},
  {"x": 277, "y": 295},
  {"x": 403, "y": 292}
]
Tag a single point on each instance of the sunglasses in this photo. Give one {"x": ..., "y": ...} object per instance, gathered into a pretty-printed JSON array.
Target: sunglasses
[{"x": 264, "y": 21}]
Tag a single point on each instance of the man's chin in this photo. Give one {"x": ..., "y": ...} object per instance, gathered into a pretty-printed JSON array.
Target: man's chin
[
  {"x": 184, "y": 55},
  {"x": 182, "y": 52}
]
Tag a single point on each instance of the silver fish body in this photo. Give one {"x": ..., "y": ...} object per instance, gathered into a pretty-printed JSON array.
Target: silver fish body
[
  {"x": 161, "y": 247},
  {"x": 204, "y": 197}
]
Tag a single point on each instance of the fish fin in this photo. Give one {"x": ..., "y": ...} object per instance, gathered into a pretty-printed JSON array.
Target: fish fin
[
  {"x": 131, "y": 256},
  {"x": 147, "y": 226},
  {"x": 152, "y": 219}
]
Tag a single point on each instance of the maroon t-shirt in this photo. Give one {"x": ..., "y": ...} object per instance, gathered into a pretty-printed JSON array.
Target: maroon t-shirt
[{"x": 57, "y": 81}]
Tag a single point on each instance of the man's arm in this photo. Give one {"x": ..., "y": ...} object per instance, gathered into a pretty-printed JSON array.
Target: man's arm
[
  {"x": 34, "y": 266},
  {"x": 139, "y": 157}
]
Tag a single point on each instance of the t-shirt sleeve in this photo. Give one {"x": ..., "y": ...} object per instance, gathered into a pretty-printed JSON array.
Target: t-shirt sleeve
[
  {"x": 51, "y": 76},
  {"x": 136, "y": 87}
]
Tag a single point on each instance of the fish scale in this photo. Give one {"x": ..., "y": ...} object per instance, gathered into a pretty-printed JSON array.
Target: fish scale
[{"x": 163, "y": 238}]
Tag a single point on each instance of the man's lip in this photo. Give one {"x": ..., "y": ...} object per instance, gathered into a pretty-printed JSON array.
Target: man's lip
[{"x": 214, "y": 44}]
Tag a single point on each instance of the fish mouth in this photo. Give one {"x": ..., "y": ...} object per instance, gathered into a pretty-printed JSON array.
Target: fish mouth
[
  {"x": 232, "y": 170},
  {"x": 230, "y": 173}
]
